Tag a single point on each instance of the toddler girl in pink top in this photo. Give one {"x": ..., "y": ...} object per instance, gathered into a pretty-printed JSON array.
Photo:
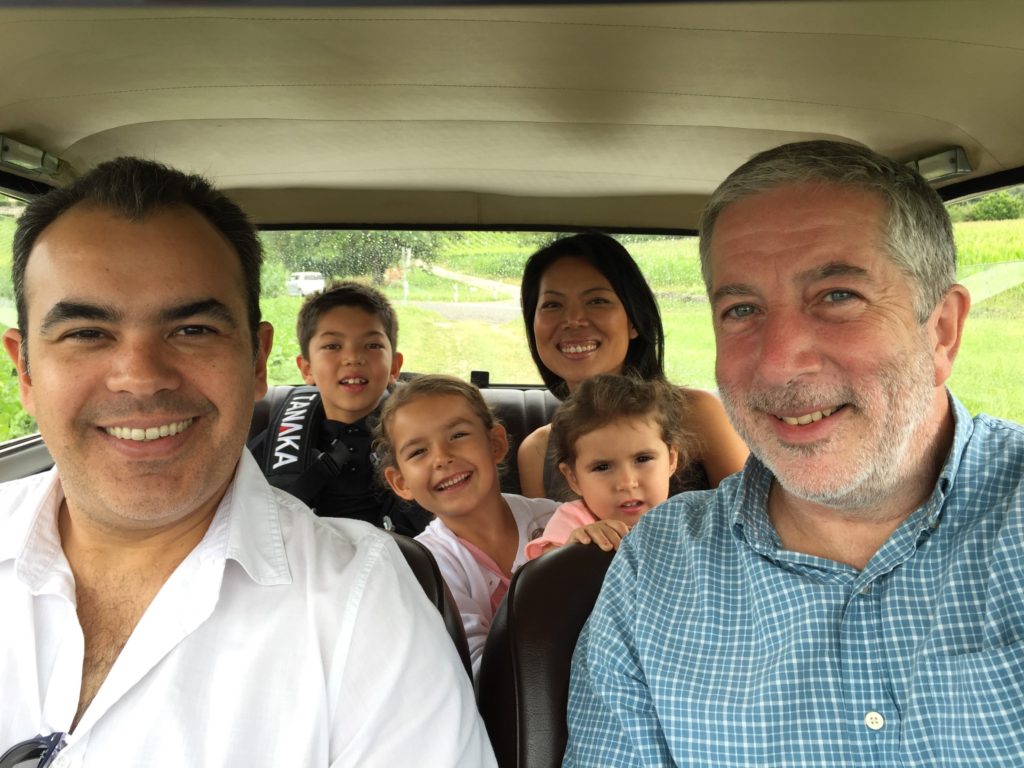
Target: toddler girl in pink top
[{"x": 618, "y": 441}]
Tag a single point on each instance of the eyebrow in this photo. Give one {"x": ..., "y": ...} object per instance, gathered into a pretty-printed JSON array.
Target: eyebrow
[
  {"x": 833, "y": 269},
  {"x": 65, "y": 311},
  {"x": 211, "y": 308},
  {"x": 733, "y": 289},
  {"x": 640, "y": 452},
  {"x": 68, "y": 311},
  {"x": 420, "y": 439},
  {"x": 595, "y": 289},
  {"x": 344, "y": 335},
  {"x": 820, "y": 272}
]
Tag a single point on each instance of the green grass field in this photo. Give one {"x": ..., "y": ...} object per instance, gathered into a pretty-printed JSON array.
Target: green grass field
[
  {"x": 989, "y": 242},
  {"x": 6, "y": 238},
  {"x": 425, "y": 286},
  {"x": 670, "y": 264}
]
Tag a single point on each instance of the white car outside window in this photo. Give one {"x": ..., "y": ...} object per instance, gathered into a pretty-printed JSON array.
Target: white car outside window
[{"x": 304, "y": 283}]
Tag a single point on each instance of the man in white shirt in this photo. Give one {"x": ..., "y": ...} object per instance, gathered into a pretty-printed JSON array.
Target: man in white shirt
[{"x": 162, "y": 604}]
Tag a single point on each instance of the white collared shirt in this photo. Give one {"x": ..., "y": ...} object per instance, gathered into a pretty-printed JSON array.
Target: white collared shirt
[{"x": 283, "y": 639}]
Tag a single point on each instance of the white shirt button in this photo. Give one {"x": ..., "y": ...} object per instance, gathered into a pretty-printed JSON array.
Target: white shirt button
[{"x": 874, "y": 721}]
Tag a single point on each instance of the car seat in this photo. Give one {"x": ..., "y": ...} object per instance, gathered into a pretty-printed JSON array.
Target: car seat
[
  {"x": 520, "y": 409},
  {"x": 523, "y": 688}
]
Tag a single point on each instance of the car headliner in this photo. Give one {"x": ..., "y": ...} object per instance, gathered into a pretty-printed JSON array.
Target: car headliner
[{"x": 613, "y": 115}]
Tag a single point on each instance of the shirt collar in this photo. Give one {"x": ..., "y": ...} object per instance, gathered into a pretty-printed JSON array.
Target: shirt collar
[
  {"x": 339, "y": 428},
  {"x": 963, "y": 429},
  {"x": 246, "y": 527},
  {"x": 750, "y": 508},
  {"x": 29, "y": 536},
  {"x": 750, "y": 513}
]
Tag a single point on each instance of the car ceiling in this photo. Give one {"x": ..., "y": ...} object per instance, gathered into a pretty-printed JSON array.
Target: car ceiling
[{"x": 611, "y": 115}]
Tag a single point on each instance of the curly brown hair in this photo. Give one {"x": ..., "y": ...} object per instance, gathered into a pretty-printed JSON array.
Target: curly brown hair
[{"x": 606, "y": 398}]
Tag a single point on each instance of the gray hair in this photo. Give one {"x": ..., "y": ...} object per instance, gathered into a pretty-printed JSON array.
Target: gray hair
[{"x": 918, "y": 234}]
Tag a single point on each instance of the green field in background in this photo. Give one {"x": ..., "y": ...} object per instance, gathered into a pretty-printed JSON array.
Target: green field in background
[
  {"x": 989, "y": 242},
  {"x": 6, "y": 238},
  {"x": 429, "y": 342}
]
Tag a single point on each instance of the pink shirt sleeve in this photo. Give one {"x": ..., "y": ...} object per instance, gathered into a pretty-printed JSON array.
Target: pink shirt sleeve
[{"x": 567, "y": 518}]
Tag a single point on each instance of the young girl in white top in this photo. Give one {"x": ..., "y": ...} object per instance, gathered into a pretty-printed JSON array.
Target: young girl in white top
[
  {"x": 439, "y": 444},
  {"x": 618, "y": 441}
]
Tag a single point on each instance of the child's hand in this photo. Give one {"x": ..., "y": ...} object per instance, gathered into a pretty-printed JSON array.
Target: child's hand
[{"x": 607, "y": 534}]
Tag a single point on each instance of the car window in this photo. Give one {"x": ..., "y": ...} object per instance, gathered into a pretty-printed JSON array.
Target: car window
[
  {"x": 457, "y": 298},
  {"x": 14, "y": 422},
  {"x": 989, "y": 231}
]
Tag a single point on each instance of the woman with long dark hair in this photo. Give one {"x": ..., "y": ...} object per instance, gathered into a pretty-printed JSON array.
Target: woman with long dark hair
[{"x": 588, "y": 310}]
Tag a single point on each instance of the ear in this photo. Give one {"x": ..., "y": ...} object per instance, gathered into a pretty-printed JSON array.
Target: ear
[
  {"x": 946, "y": 327},
  {"x": 633, "y": 332},
  {"x": 12, "y": 343},
  {"x": 265, "y": 338},
  {"x": 673, "y": 459},
  {"x": 306, "y": 369},
  {"x": 570, "y": 478},
  {"x": 499, "y": 443},
  {"x": 396, "y": 367},
  {"x": 397, "y": 483}
]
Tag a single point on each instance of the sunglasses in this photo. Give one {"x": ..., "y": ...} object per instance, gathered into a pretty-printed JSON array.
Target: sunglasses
[{"x": 37, "y": 752}]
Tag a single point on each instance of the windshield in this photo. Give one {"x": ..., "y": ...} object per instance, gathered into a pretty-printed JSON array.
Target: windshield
[{"x": 457, "y": 296}]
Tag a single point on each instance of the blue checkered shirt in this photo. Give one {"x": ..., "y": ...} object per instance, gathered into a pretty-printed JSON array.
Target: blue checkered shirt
[{"x": 711, "y": 645}]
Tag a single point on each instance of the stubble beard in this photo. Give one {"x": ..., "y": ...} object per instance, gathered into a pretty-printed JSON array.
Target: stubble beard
[
  {"x": 144, "y": 495},
  {"x": 896, "y": 409}
]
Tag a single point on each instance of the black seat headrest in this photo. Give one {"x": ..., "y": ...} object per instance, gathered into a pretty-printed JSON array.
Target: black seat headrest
[
  {"x": 520, "y": 410},
  {"x": 425, "y": 569}
]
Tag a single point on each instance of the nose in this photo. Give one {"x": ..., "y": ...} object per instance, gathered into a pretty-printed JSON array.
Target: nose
[
  {"x": 625, "y": 479},
  {"x": 789, "y": 348},
  {"x": 142, "y": 366},
  {"x": 353, "y": 356},
  {"x": 575, "y": 314},
  {"x": 441, "y": 455}
]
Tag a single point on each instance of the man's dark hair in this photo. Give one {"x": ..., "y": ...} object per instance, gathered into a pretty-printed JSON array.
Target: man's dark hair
[
  {"x": 133, "y": 188},
  {"x": 646, "y": 353},
  {"x": 345, "y": 293}
]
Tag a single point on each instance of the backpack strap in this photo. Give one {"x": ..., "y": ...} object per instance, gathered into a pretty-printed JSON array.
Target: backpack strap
[
  {"x": 325, "y": 465},
  {"x": 292, "y": 433},
  {"x": 291, "y": 459}
]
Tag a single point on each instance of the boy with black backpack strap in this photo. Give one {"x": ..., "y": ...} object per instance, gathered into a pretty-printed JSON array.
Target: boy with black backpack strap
[{"x": 318, "y": 442}]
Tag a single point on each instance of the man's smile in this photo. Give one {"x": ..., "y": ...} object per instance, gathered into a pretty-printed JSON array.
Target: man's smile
[
  {"x": 809, "y": 418},
  {"x": 139, "y": 434}
]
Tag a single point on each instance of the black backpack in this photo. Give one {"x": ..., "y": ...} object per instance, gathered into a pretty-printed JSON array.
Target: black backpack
[{"x": 288, "y": 456}]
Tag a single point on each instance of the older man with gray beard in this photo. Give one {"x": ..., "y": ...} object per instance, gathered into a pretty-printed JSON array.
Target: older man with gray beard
[{"x": 852, "y": 597}]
